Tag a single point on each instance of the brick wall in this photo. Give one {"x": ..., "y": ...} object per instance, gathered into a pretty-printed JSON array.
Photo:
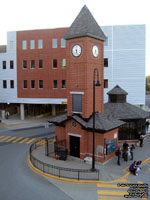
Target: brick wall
[
  {"x": 80, "y": 75},
  {"x": 47, "y": 73},
  {"x": 86, "y": 140}
]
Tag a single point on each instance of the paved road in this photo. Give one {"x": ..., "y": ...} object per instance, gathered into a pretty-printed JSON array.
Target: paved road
[{"x": 17, "y": 180}]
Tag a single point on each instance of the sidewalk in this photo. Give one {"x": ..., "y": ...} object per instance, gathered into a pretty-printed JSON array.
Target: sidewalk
[
  {"x": 15, "y": 123},
  {"x": 109, "y": 171}
]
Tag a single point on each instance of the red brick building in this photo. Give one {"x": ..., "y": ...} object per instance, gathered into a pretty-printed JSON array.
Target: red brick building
[
  {"x": 85, "y": 55},
  {"x": 41, "y": 56}
]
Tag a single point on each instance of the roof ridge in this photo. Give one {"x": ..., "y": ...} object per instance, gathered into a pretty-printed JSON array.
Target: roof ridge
[{"x": 85, "y": 25}]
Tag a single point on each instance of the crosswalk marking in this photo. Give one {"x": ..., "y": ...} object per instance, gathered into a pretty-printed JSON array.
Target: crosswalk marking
[
  {"x": 30, "y": 141},
  {"x": 21, "y": 140},
  {"x": 4, "y": 138},
  {"x": 111, "y": 198},
  {"x": 11, "y": 139},
  {"x": 106, "y": 186},
  {"x": 112, "y": 192},
  {"x": 24, "y": 140},
  {"x": 17, "y": 140},
  {"x": 107, "y": 191}
]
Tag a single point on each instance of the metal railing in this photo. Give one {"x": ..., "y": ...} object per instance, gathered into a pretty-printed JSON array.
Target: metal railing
[{"x": 78, "y": 174}]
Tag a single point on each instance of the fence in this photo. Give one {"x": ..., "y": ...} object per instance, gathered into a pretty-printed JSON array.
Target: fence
[{"x": 78, "y": 174}]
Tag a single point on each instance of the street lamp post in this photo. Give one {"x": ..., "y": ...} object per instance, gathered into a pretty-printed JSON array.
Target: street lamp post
[{"x": 96, "y": 82}]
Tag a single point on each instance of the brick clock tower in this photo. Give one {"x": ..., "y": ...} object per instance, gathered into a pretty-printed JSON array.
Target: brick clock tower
[
  {"x": 85, "y": 44},
  {"x": 85, "y": 63}
]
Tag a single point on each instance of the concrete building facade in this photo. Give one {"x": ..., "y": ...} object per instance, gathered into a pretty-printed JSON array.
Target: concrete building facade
[{"x": 125, "y": 50}]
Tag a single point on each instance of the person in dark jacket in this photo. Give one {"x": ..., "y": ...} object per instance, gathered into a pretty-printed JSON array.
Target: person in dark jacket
[
  {"x": 133, "y": 168},
  {"x": 141, "y": 140},
  {"x": 131, "y": 151},
  {"x": 118, "y": 154}
]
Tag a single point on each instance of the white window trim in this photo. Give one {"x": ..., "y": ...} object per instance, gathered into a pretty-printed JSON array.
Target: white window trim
[
  {"x": 75, "y": 135},
  {"x": 76, "y": 92}
]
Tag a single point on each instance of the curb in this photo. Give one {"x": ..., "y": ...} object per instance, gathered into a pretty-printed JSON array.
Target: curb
[{"x": 122, "y": 179}]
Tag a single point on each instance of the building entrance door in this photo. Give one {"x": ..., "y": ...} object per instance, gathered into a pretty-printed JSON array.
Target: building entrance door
[{"x": 75, "y": 146}]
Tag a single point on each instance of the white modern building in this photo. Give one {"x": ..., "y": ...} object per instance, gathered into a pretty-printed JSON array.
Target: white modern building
[
  {"x": 124, "y": 65},
  {"x": 125, "y": 50}
]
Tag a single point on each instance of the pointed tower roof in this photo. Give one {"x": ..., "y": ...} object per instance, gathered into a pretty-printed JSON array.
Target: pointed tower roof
[
  {"x": 117, "y": 90},
  {"x": 85, "y": 25}
]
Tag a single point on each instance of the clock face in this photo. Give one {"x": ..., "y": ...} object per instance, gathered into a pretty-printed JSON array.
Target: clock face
[
  {"x": 76, "y": 50},
  {"x": 95, "y": 51}
]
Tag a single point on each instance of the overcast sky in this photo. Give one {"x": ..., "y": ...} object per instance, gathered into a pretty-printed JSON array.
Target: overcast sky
[{"x": 44, "y": 14}]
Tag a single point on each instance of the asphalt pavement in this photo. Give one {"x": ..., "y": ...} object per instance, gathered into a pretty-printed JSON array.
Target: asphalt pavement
[{"x": 110, "y": 172}]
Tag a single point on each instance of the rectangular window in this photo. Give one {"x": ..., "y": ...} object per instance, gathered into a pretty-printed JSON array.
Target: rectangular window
[
  {"x": 63, "y": 43},
  {"x": 32, "y": 44},
  {"x": 24, "y": 44},
  {"x": 54, "y": 63},
  {"x": 40, "y": 44},
  {"x": 40, "y": 84},
  {"x": 105, "y": 62},
  {"x": 32, "y": 64},
  {"x": 4, "y": 64},
  {"x": 32, "y": 84},
  {"x": 54, "y": 43},
  {"x": 25, "y": 84},
  {"x": 11, "y": 64},
  {"x": 63, "y": 63},
  {"x": 63, "y": 84},
  {"x": 4, "y": 84},
  {"x": 40, "y": 64},
  {"x": 24, "y": 64},
  {"x": 55, "y": 84},
  {"x": 11, "y": 83},
  {"x": 105, "y": 83},
  {"x": 77, "y": 103}
]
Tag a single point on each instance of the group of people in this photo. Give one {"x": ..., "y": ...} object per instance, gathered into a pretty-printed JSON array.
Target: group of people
[
  {"x": 126, "y": 152},
  {"x": 135, "y": 167}
]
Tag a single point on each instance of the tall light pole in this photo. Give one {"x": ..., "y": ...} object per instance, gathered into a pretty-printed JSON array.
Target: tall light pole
[{"x": 96, "y": 82}]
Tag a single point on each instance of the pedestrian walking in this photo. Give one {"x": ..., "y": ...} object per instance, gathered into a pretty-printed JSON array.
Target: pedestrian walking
[
  {"x": 147, "y": 125},
  {"x": 118, "y": 154},
  {"x": 141, "y": 140},
  {"x": 7, "y": 115},
  {"x": 126, "y": 152},
  {"x": 131, "y": 151}
]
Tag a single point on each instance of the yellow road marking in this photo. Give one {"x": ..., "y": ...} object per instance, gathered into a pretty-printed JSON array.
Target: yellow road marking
[
  {"x": 24, "y": 140},
  {"x": 11, "y": 139},
  {"x": 146, "y": 161},
  {"x": 17, "y": 139},
  {"x": 140, "y": 182},
  {"x": 109, "y": 186},
  {"x": 125, "y": 169},
  {"x": 1, "y": 136},
  {"x": 111, "y": 198},
  {"x": 112, "y": 192},
  {"x": 41, "y": 142},
  {"x": 4, "y": 138},
  {"x": 30, "y": 141}
]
